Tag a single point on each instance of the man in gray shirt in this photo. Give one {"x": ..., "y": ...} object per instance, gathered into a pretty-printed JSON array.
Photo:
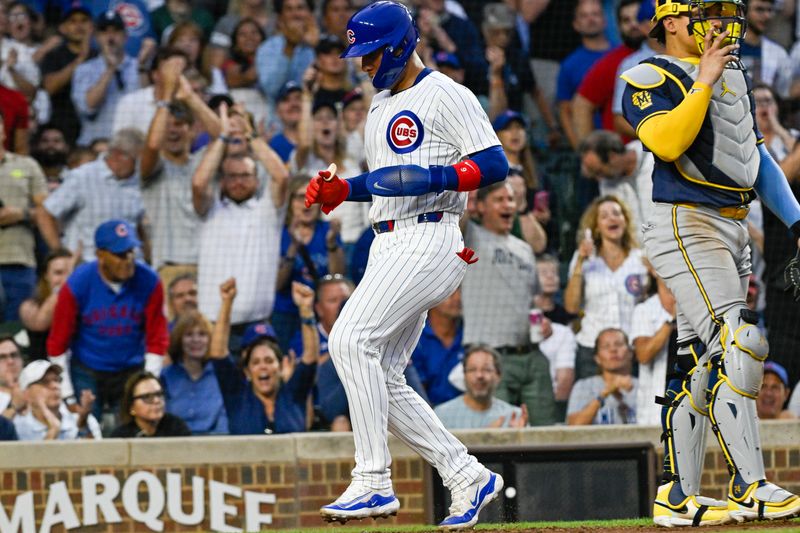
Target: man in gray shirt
[
  {"x": 498, "y": 293},
  {"x": 610, "y": 397},
  {"x": 478, "y": 408},
  {"x": 167, "y": 166}
]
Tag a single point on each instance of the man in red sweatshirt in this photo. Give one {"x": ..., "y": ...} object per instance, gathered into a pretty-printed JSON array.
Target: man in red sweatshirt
[{"x": 109, "y": 319}]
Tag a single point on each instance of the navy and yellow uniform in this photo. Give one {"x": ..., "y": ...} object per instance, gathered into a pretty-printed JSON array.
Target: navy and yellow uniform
[
  {"x": 708, "y": 166},
  {"x": 720, "y": 164}
]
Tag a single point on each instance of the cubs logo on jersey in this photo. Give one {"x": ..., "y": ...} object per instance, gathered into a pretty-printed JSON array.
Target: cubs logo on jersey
[{"x": 405, "y": 132}]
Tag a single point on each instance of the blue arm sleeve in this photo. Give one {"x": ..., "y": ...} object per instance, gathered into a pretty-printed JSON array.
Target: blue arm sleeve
[
  {"x": 358, "y": 189},
  {"x": 413, "y": 180},
  {"x": 773, "y": 189}
]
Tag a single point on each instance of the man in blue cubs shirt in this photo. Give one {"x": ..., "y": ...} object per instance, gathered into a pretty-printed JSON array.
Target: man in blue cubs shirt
[{"x": 110, "y": 317}]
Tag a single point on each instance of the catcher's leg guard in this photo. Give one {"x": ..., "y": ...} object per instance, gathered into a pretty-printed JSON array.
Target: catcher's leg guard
[
  {"x": 684, "y": 419},
  {"x": 734, "y": 384}
]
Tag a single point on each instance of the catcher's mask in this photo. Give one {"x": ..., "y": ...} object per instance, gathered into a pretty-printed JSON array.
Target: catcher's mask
[{"x": 702, "y": 14}]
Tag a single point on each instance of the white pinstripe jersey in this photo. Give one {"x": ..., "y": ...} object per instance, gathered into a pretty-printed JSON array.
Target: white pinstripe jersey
[{"x": 435, "y": 122}]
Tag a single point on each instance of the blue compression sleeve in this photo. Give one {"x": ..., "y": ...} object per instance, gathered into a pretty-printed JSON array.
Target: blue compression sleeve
[
  {"x": 481, "y": 169},
  {"x": 773, "y": 189},
  {"x": 358, "y": 189}
]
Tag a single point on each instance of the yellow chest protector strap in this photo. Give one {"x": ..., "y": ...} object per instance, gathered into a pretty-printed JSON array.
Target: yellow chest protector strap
[{"x": 668, "y": 134}]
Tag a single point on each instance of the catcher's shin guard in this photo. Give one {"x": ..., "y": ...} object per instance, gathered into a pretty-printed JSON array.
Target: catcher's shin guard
[
  {"x": 684, "y": 420},
  {"x": 735, "y": 383}
]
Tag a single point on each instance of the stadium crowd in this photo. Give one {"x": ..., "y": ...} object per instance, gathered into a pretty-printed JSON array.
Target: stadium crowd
[{"x": 161, "y": 276}]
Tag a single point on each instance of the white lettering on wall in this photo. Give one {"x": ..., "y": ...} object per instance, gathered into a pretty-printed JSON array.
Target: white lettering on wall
[
  {"x": 174, "y": 504},
  {"x": 155, "y": 504},
  {"x": 218, "y": 508},
  {"x": 22, "y": 517},
  {"x": 59, "y": 509},
  {"x": 104, "y": 500},
  {"x": 99, "y": 493},
  {"x": 253, "y": 517}
]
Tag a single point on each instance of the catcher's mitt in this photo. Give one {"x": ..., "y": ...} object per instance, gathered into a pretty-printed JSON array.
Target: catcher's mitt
[{"x": 791, "y": 275}]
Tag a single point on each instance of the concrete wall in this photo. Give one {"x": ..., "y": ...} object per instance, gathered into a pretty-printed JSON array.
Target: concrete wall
[{"x": 52, "y": 483}]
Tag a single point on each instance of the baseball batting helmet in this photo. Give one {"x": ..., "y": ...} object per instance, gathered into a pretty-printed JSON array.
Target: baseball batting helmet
[
  {"x": 730, "y": 13},
  {"x": 386, "y": 25}
]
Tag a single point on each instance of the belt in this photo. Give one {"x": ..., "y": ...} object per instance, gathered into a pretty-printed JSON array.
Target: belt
[
  {"x": 735, "y": 212},
  {"x": 522, "y": 349},
  {"x": 385, "y": 226}
]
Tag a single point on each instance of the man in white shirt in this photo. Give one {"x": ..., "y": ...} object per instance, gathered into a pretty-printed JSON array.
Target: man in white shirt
[
  {"x": 653, "y": 327},
  {"x": 559, "y": 346},
  {"x": 96, "y": 192},
  {"x": 137, "y": 109},
  {"x": 240, "y": 230},
  {"x": 47, "y": 417}
]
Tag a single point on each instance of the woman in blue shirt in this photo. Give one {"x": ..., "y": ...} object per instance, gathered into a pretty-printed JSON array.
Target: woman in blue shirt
[
  {"x": 267, "y": 391},
  {"x": 191, "y": 388}
]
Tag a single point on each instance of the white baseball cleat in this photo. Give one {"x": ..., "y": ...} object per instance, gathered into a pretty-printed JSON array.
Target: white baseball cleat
[
  {"x": 359, "y": 502},
  {"x": 467, "y": 503}
]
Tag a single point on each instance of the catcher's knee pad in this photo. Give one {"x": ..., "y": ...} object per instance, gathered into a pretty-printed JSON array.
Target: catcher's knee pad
[
  {"x": 683, "y": 417},
  {"x": 744, "y": 351},
  {"x": 735, "y": 383}
]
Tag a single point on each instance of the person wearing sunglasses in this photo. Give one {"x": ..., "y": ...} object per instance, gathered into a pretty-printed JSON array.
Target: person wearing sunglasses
[{"x": 142, "y": 411}]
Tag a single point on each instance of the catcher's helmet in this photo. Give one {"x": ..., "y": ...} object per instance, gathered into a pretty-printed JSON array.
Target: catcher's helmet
[
  {"x": 730, "y": 13},
  {"x": 386, "y": 25}
]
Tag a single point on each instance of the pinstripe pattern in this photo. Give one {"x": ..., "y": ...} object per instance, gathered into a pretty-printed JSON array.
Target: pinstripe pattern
[
  {"x": 454, "y": 126},
  {"x": 410, "y": 270},
  {"x": 609, "y": 296}
]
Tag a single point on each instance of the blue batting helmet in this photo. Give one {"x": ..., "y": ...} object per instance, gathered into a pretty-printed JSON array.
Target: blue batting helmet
[{"x": 386, "y": 25}]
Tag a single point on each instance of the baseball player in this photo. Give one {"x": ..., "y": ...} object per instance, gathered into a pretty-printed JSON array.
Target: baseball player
[
  {"x": 427, "y": 142},
  {"x": 693, "y": 108}
]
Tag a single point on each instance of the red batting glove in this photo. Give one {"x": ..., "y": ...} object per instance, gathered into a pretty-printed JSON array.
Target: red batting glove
[{"x": 328, "y": 193}]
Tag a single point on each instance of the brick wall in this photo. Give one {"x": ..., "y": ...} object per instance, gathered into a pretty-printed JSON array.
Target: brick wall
[{"x": 304, "y": 472}]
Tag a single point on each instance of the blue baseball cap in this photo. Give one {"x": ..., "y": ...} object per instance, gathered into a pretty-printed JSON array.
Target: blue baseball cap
[
  {"x": 647, "y": 10},
  {"x": 74, "y": 7},
  {"x": 109, "y": 19},
  {"x": 288, "y": 88},
  {"x": 444, "y": 58},
  {"x": 778, "y": 370},
  {"x": 116, "y": 236},
  {"x": 505, "y": 118},
  {"x": 258, "y": 331}
]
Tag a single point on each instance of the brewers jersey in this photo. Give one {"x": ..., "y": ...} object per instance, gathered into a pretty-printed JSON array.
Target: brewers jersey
[{"x": 434, "y": 122}]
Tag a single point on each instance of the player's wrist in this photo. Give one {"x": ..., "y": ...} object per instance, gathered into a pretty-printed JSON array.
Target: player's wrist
[{"x": 795, "y": 228}]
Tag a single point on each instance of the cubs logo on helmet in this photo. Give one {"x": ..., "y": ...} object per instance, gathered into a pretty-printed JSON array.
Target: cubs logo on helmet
[
  {"x": 405, "y": 132},
  {"x": 388, "y": 26}
]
